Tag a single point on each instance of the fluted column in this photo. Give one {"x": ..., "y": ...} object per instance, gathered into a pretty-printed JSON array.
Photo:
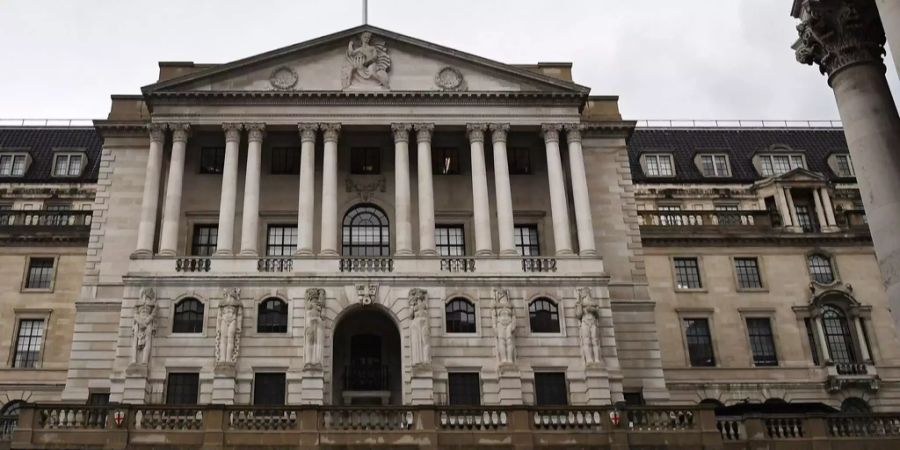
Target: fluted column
[
  {"x": 250, "y": 214},
  {"x": 150, "y": 199},
  {"x": 829, "y": 208},
  {"x": 225, "y": 240},
  {"x": 584, "y": 223},
  {"x": 168, "y": 241},
  {"x": 401, "y": 189},
  {"x": 502, "y": 189},
  {"x": 307, "y": 194},
  {"x": 331, "y": 132},
  {"x": 426, "y": 189},
  {"x": 482, "y": 213},
  {"x": 558, "y": 207}
]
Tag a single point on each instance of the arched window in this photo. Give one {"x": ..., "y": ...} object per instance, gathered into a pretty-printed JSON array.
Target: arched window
[
  {"x": 272, "y": 316},
  {"x": 9, "y": 417},
  {"x": 188, "y": 316},
  {"x": 837, "y": 335},
  {"x": 460, "y": 316},
  {"x": 855, "y": 405},
  {"x": 366, "y": 232},
  {"x": 543, "y": 316},
  {"x": 820, "y": 269}
]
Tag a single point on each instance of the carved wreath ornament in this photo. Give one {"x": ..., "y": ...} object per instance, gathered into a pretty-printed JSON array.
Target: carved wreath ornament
[
  {"x": 450, "y": 79},
  {"x": 283, "y": 78}
]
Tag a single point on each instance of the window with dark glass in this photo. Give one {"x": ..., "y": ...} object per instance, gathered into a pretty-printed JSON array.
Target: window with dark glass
[
  {"x": 844, "y": 166},
  {"x": 29, "y": 339},
  {"x": 714, "y": 165},
  {"x": 633, "y": 398},
  {"x": 837, "y": 335},
  {"x": 445, "y": 160},
  {"x": 464, "y": 388},
  {"x": 805, "y": 219},
  {"x": 98, "y": 398},
  {"x": 747, "y": 272},
  {"x": 543, "y": 316},
  {"x": 762, "y": 343},
  {"x": 699, "y": 342},
  {"x": 272, "y": 316},
  {"x": 182, "y": 388},
  {"x": 212, "y": 159},
  {"x": 365, "y": 161},
  {"x": 268, "y": 389},
  {"x": 526, "y": 240},
  {"x": 366, "y": 232},
  {"x": 780, "y": 164},
  {"x": 820, "y": 269},
  {"x": 659, "y": 165},
  {"x": 285, "y": 160},
  {"x": 188, "y": 316},
  {"x": 40, "y": 273},
  {"x": 67, "y": 164},
  {"x": 460, "y": 316},
  {"x": 687, "y": 273},
  {"x": 550, "y": 389},
  {"x": 281, "y": 240},
  {"x": 855, "y": 405},
  {"x": 204, "y": 239},
  {"x": 519, "y": 160},
  {"x": 811, "y": 338},
  {"x": 450, "y": 240}
]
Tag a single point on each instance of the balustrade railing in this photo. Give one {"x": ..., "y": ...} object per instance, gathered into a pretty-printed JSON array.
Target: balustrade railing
[
  {"x": 45, "y": 218},
  {"x": 168, "y": 418},
  {"x": 851, "y": 369},
  {"x": 195, "y": 264},
  {"x": 69, "y": 417},
  {"x": 460, "y": 264},
  {"x": 368, "y": 419},
  {"x": 473, "y": 419},
  {"x": 366, "y": 378},
  {"x": 784, "y": 427},
  {"x": 690, "y": 219},
  {"x": 262, "y": 419},
  {"x": 569, "y": 419},
  {"x": 275, "y": 264},
  {"x": 363, "y": 264},
  {"x": 538, "y": 264},
  {"x": 657, "y": 419},
  {"x": 731, "y": 428},
  {"x": 868, "y": 425}
]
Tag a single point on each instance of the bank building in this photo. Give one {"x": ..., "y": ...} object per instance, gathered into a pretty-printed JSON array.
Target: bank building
[{"x": 368, "y": 239}]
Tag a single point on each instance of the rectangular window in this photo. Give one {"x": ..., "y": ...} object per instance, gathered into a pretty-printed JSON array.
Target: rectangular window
[
  {"x": 526, "y": 239},
  {"x": 212, "y": 160},
  {"x": 365, "y": 161},
  {"x": 844, "y": 166},
  {"x": 281, "y": 240},
  {"x": 811, "y": 338},
  {"x": 699, "y": 343},
  {"x": 805, "y": 219},
  {"x": 29, "y": 340},
  {"x": 464, "y": 389},
  {"x": 450, "y": 240},
  {"x": 687, "y": 273},
  {"x": 762, "y": 343},
  {"x": 12, "y": 164},
  {"x": 98, "y": 399},
  {"x": 204, "y": 240},
  {"x": 445, "y": 161},
  {"x": 285, "y": 160},
  {"x": 182, "y": 389},
  {"x": 519, "y": 161},
  {"x": 714, "y": 165},
  {"x": 67, "y": 164},
  {"x": 780, "y": 164},
  {"x": 40, "y": 273},
  {"x": 268, "y": 389},
  {"x": 747, "y": 272},
  {"x": 550, "y": 389},
  {"x": 659, "y": 165}
]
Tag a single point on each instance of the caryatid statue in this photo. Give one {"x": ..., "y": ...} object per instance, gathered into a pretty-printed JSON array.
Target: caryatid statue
[
  {"x": 587, "y": 310},
  {"x": 369, "y": 60},
  {"x": 505, "y": 326},
  {"x": 314, "y": 333},
  {"x": 228, "y": 327},
  {"x": 419, "y": 329},
  {"x": 143, "y": 327}
]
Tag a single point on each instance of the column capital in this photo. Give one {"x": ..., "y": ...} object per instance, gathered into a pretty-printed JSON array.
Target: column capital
[
  {"x": 307, "y": 131},
  {"x": 424, "y": 131},
  {"x": 550, "y": 131},
  {"x": 838, "y": 34},
  {"x": 475, "y": 131},
  {"x": 157, "y": 132},
  {"x": 331, "y": 131},
  {"x": 499, "y": 132},
  {"x": 232, "y": 131},
  {"x": 180, "y": 131},
  {"x": 401, "y": 131},
  {"x": 573, "y": 132},
  {"x": 255, "y": 131}
]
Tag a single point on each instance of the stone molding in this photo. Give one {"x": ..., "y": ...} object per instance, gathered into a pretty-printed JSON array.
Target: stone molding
[
  {"x": 180, "y": 131},
  {"x": 157, "y": 132},
  {"x": 573, "y": 132},
  {"x": 550, "y": 132}
]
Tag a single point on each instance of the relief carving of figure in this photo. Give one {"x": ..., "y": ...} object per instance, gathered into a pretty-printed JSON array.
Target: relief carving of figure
[
  {"x": 144, "y": 327},
  {"x": 587, "y": 310},
  {"x": 315, "y": 333},
  {"x": 419, "y": 330},
  {"x": 228, "y": 327},
  {"x": 370, "y": 60},
  {"x": 505, "y": 326}
]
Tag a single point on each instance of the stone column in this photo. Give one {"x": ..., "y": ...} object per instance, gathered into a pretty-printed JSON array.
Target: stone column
[
  {"x": 558, "y": 207},
  {"x": 426, "y": 189},
  {"x": 820, "y": 336},
  {"x": 781, "y": 203},
  {"x": 307, "y": 195},
  {"x": 250, "y": 214},
  {"x": 846, "y": 40},
  {"x": 401, "y": 189},
  {"x": 150, "y": 200},
  {"x": 329, "y": 189},
  {"x": 225, "y": 241},
  {"x": 168, "y": 241},
  {"x": 583, "y": 220},
  {"x": 865, "y": 357},
  {"x": 829, "y": 209},
  {"x": 820, "y": 214},
  {"x": 890, "y": 17},
  {"x": 480, "y": 204},
  {"x": 502, "y": 189},
  {"x": 792, "y": 210}
]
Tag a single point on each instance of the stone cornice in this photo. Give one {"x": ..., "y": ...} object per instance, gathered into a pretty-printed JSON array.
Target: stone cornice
[
  {"x": 117, "y": 128},
  {"x": 617, "y": 128}
]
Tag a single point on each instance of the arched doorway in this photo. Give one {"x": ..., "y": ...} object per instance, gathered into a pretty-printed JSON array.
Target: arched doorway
[{"x": 367, "y": 368}]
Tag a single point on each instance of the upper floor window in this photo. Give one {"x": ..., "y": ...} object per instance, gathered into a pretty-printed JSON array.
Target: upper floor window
[
  {"x": 464, "y": 388},
  {"x": 772, "y": 164},
  {"x": 842, "y": 165},
  {"x": 820, "y": 269},
  {"x": 212, "y": 159},
  {"x": 450, "y": 240},
  {"x": 543, "y": 316},
  {"x": 445, "y": 161},
  {"x": 837, "y": 335},
  {"x": 13, "y": 164},
  {"x": 204, "y": 240},
  {"x": 699, "y": 342},
  {"x": 269, "y": 389},
  {"x": 460, "y": 316},
  {"x": 550, "y": 389},
  {"x": 365, "y": 161},
  {"x": 762, "y": 342},
  {"x": 526, "y": 240},
  {"x": 29, "y": 340},
  {"x": 188, "y": 316},
  {"x": 366, "y": 232},
  {"x": 714, "y": 165},
  {"x": 68, "y": 164},
  {"x": 687, "y": 273},
  {"x": 40, "y": 273},
  {"x": 281, "y": 240},
  {"x": 747, "y": 272},
  {"x": 658, "y": 165},
  {"x": 285, "y": 160},
  {"x": 182, "y": 388},
  {"x": 519, "y": 161},
  {"x": 272, "y": 316}
]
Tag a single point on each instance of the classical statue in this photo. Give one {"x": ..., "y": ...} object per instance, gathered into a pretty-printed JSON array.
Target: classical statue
[
  {"x": 143, "y": 327},
  {"x": 370, "y": 60},
  {"x": 505, "y": 326},
  {"x": 228, "y": 327},
  {"x": 419, "y": 330},
  {"x": 587, "y": 310},
  {"x": 314, "y": 333}
]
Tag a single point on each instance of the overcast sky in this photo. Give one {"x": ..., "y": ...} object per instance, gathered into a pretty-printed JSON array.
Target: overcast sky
[{"x": 695, "y": 59}]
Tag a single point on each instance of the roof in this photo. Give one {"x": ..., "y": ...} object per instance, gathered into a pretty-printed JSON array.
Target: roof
[
  {"x": 40, "y": 142},
  {"x": 739, "y": 143}
]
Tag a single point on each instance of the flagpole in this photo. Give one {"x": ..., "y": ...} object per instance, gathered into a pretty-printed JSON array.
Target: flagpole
[{"x": 365, "y": 12}]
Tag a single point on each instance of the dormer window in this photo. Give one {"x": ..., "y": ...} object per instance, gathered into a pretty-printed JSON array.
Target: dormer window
[
  {"x": 778, "y": 164},
  {"x": 658, "y": 165},
  {"x": 68, "y": 164},
  {"x": 13, "y": 164},
  {"x": 714, "y": 165},
  {"x": 841, "y": 165}
]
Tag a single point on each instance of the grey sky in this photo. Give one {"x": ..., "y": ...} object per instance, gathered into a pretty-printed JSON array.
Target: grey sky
[{"x": 699, "y": 59}]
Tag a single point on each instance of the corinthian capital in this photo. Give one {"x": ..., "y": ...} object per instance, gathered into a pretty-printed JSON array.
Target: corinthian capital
[
  {"x": 573, "y": 132},
  {"x": 180, "y": 131},
  {"x": 157, "y": 131},
  {"x": 255, "y": 131},
  {"x": 476, "y": 131},
  {"x": 401, "y": 131},
  {"x": 232, "y": 131},
  {"x": 308, "y": 131},
  {"x": 499, "y": 132},
  {"x": 836, "y": 34},
  {"x": 550, "y": 131},
  {"x": 331, "y": 131},
  {"x": 423, "y": 131}
]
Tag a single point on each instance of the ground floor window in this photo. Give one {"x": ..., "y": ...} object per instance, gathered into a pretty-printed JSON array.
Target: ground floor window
[
  {"x": 182, "y": 389},
  {"x": 268, "y": 389},
  {"x": 550, "y": 389}
]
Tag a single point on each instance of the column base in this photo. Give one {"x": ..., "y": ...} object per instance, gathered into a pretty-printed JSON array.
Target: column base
[
  {"x": 223, "y": 252},
  {"x": 304, "y": 252},
  {"x": 565, "y": 252},
  {"x": 328, "y": 253},
  {"x": 484, "y": 252},
  {"x": 589, "y": 253},
  {"x": 224, "y": 384},
  {"x": 428, "y": 252},
  {"x": 422, "y": 385},
  {"x": 509, "y": 252},
  {"x": 248, "y": 252},
  {"x": 136, "y": 390},
  {"x": 166, "y": 252},
  {"x": 404, "y": 252},
  {"x": 142, "y": 253}
]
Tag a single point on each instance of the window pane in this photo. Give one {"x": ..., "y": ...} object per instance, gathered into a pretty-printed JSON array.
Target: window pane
[
  {"x": 820, "y": 269},
  {"x": 652, "y": 166},
  {"x": 465, "y": 389},
  {"x": 543, "y": 316},
  {"x": 449, "y": 240},
  {"x": 762, "y": 343},
  {"x": 767, "y": 168},
  {"x": 837, "y": 336},
  {"x": 268, "y": 389},
  {"x": 747, "y": 271},
  {"x": 721, "y": 163},
  {"x": 796, "y": 162},
  {"x": 182, "y": 388},
  {"x": 285, "y": 160},
  {"x": 526, "y": 240},
  {"x": 665, "y": 166},
  {"x": 445, "y": 160},
  {"x": 460, "y": 316},
  {"x": 40, "y": 273},
  {"x": 550, "y": 389},
  {"x": 62, "y": 165},
  {"x": 212, "y": 159},
  {"x": 805, "y": 219},
  {"x": 845, "y": 169},
  {"x": 28, "y": 343},
  {"x": 272, "y": 316},
  {"x": 18, "y": 168},
  {"x": 366, "y": 232},
  {"x": 810, "y": 337},
  {"x": 74, "y": 165},
  {"x": 687, "y": 273},
  {"x": 519, "y": 161},
  {"x": 365, "y": 161},
  {"x": 782, "y": 164},
  {"x": 204, "y": 240},
  {"x": 188, "y": 316},
  {"x": 709, "y": 169},
  {"x": 281, "y": 240},
  {"x": 6, "y": 162},
  {"x": 699, "y": 343}
]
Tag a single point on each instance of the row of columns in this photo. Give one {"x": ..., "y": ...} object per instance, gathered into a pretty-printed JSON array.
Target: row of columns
[
  {"x": 329, "y": 215},
  {"x": 784, "y": 200}
]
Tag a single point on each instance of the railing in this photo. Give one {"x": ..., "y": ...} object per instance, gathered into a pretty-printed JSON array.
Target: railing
[
  {"x": 784, "y": 427},
  {"x": 869, "y": 425},
  {"x": 569, "y": 419},
  {"x": 713, "y": 123},
  {"x": 363, "y": 264},
  {"x": 196, "y": 264},
  {"x": 714, "y": 219},
  {"x": 731, "y": 428},
  {"x": 460, "y": 264},
  {"x": 367, "y": 419},
  {"x": 46, "y": 123},
  {"x": 45, "y": 218},
  {"x": 538, "y": 264},
  {"x": 71, "y": 417},
  {"x": 262, "y": 419},
  {"x": 275, "y": 264},
  {"x": 162, "y": 418},
  {"x": 366, "y": 378},
  {"x": 657, "y": 419},
  {"x": 473, "y": 419},
  {"x": 851, "y": 369}
]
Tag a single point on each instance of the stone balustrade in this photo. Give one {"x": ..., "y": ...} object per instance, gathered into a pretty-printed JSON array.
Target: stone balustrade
[
  {"x": 74, "y": 218},
  {"x": 755, "y": 219}
]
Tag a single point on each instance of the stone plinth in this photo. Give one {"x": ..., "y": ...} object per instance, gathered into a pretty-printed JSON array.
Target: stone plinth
[
  {"x": 312, "y": 386},
  {"x": 136, "y": 390},
  {"x": 422, "y": 385},
  {"x": 597, "y": 389},
  {"x": 223, "y": 384},
  {"x": 510, "y": 383}
]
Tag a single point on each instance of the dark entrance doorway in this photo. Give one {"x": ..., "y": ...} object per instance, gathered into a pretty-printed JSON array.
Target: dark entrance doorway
[{"x": 367, "y": 360}]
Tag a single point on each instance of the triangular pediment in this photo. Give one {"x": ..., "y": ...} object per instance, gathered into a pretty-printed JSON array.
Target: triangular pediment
[{"x": 388, "y": 62}]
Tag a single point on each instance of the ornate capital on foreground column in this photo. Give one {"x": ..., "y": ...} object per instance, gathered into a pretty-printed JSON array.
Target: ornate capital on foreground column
[
  {"x": 475, "y": 131},
  {"x": 157, "y": 132},
  {"x": 423, "y": 131},
  {"x": 180, "y": 131},
  {"x": 232, "y": 131},
  {"x": 255, "y": 131},
  {"x": 499, "y": 132},
  {"x": 573, "y": 132},
  {"x": 308, "y": 131},
  {"x": 401, "y": 131},
  {"x": 331, "y": 131},
  {"x": 836, "y": 34},
  {"x": 550, "y": 131}
]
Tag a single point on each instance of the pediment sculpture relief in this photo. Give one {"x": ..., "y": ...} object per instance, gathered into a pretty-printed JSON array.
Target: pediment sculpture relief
[
  {"x": 228, "y": 327},
  {"x": 367, "y": 59}
]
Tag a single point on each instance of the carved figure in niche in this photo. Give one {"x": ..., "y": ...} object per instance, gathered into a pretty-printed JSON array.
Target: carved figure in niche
[
  {"x": 419, "y": 330},
  {"x": 505, "y": 326},
  {"x": 144, "y": 327},
  {"x": 587, "y": 310},
  {"x": 314, "y": 334},
  {"x": 368, "y": 61},
  {"x": 228, "y": 327}
]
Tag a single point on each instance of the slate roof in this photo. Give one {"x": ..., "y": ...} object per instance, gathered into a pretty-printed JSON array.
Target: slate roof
[
  {"x": 40, "y": 143},
  {"x": 739, "y": 143}
]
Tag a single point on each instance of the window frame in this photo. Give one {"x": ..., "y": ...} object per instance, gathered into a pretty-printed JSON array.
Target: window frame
[
  {"x": 440, "y": 153},
  {"x": 260, "y": 313},
  {"x": 831, "y": 265},
  {"x": 193, "y": 245},
  {"x": 291, "y": 164},
  {"x": 13, "y": 155},
  {"x": 57, "y": 155},
  {"x": 772, "y": 335},
  {"x": 26, "y": 276},
  {"x": 852, "y": 346},
  {"x": 384, "y": 247},
  {"x": 683, "y": 317},
  {"x": 449, "y": 246},
  {"x": 515, "y": 159},
  {"x": 168, "y": 388},
  {"x": 219, "y": 160},
  {"x": 474, "y": 304},
  {"x": 559, "y": 316},
  {"x": 565, "y": 386},
  {"x": 521, "y": 245},
  {"x": 769, "y": 157},
  {"x": 834, "y": 162},
  {"x": 203, "y": 316},
  {"x": 284, "y": 236},
  {"x": 701, "y": 165},
  {"x": 467, "y": 373},
  {"x": 23, "y": 314},
  {"x": 649, "y": 168},
  {"x": 256, "y": 375},
  {"x": 700, "y": 277},
  {"x": 366, "y": 159},
  {"x": 759, "y": 273}
]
